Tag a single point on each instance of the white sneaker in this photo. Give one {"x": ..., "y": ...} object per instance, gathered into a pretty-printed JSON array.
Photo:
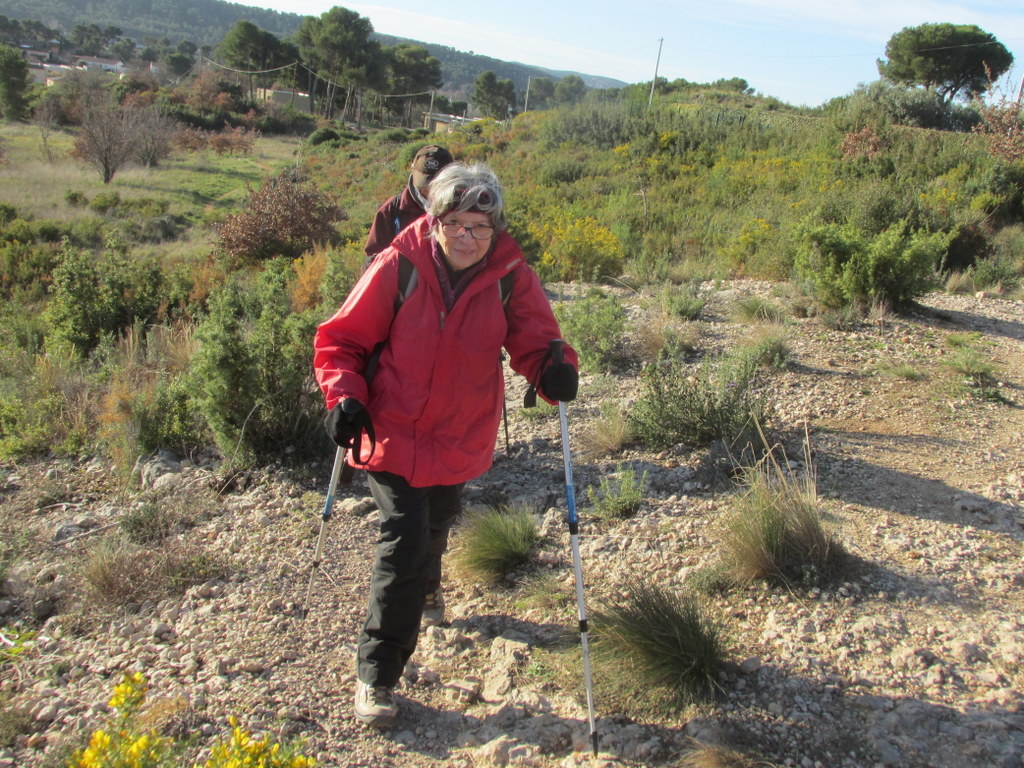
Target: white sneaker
[
  {"x": 433, "y": 610},
  {"x": 375, "y": 705}
]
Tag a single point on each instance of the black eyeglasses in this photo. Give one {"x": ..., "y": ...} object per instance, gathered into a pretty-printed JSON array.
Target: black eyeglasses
[{"x": 478, "y": 232}]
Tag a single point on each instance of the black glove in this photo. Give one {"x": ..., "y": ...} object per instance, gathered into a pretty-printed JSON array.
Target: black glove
[
  {"x": 560, "y": 382},
  {"x": 346, "y": 420}
]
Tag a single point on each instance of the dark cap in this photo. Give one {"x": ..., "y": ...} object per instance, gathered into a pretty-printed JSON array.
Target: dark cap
[{"x": 427, "y": 163}]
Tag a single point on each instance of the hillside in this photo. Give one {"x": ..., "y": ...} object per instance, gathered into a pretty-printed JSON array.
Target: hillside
[
  {"x": 206, "y": 22},
  {"x": 912, "y": 659}
]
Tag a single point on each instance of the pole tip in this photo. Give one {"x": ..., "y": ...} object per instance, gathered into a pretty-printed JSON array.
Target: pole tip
[{"x": 594, "y": 739}]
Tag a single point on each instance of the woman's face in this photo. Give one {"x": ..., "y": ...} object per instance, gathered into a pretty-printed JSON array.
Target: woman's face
[{"x": 464, "y": 237}]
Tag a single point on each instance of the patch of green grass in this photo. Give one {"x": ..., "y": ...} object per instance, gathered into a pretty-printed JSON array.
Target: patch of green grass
[
  {"x": 766, "y": 347},
  {"x": 972, "y": 364},
  {"x": 543, "y": 410},
  {"x": 757, "y": 309},
  {"x": 657, "y": 647},
  {"x": 962, "y": 340},
  {"x": 492, "y": 542},
  {"x": 543, "y": 590},
  {"x": 906, "y": 371},
  {"x": 619, "y": 494}
]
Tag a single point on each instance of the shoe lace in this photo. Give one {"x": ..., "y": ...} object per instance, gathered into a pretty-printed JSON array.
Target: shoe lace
[{"x": 380, "y": 696}]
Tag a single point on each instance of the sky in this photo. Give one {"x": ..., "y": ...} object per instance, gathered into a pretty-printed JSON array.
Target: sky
[{"x": 803, "y": 52}]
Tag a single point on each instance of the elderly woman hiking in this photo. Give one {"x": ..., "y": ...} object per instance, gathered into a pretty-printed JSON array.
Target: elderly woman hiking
[{"x": 428, "y": 421}]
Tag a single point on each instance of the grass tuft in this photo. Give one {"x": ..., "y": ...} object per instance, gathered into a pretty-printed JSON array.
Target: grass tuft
[
  {"x": 659, "y": 647},
  {"x": 718, "y": 756},
  {"x": 775, "y": 533},
  {"x": 608, "y": 433},
  {"x": 494, "y": 541}
]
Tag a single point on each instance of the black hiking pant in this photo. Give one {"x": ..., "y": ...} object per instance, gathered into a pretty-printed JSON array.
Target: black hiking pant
[{"x": 414, "y": 526}]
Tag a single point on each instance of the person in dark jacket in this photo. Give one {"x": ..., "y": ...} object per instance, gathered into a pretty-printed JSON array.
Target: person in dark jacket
[
  {"x": 400, "y": 211},
  {"x": 428, "y": 422}
]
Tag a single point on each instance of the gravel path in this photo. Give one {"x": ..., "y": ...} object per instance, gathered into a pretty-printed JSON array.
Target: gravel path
[{"x": 916, "y": 659}]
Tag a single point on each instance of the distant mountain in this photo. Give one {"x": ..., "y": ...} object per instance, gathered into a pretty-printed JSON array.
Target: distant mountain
[{"x": 205, "y": 22}]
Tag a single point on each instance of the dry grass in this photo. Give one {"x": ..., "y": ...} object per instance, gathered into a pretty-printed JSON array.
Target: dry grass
[
  {"x": 118, "y": 574},
  {"x": 717, "y": 756},
  {"x": 774, "y": 532},
  {"x": 607, "y": 434}
]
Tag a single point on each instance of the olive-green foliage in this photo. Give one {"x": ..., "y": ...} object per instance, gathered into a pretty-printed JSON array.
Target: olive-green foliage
[
  {"x": 595, "y": 326},
  {"x": 844, "y": 267},
  {"x": 494, "y": 541},
  {"x": 884, "y": 102},
  {"x": 619, "y": 494},
  {"x": 660, "y": 644},
  {"x": 251, "y": 374},
  {"x": 716, "y": 401},
  {"x": 99, "y": 298}
]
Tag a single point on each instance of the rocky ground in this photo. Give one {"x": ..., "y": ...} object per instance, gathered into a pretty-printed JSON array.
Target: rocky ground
[{"x": 915, "y": 658}]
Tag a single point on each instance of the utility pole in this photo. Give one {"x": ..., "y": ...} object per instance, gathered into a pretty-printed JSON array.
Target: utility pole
[
  {"x": 526, "y": 101},
  {"x": 1020, "y": 91},
  {"x": 654, "y": 82}
]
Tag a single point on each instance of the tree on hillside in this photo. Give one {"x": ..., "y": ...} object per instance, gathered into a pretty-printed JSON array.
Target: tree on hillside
[
  {"x": 951, "y": 59},
  {"x": 570, "y": 90},
  {"x": 108, "y": 133},
  {"x": 249, "y": 48},
  {"x": 412, "y": 70},
  {"x": 338, "y": 47},
  {"x": 493, "y": 97},
  {"x": 541, "y": 93},
  {"x": 14, "y": 83},
  {"x": 91, "y": 40}
]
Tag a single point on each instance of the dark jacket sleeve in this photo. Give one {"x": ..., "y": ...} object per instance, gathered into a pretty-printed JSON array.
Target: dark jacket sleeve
[{"x": 382, "y": 230}]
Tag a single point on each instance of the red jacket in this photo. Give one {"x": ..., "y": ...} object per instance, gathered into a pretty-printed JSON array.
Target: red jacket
[{"x": 437, "y": 393}]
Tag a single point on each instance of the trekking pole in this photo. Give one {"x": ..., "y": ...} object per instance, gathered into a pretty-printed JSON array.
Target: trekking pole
[
  {"x": 339, "y": 462},
  {"x": 574, "y": 543}
]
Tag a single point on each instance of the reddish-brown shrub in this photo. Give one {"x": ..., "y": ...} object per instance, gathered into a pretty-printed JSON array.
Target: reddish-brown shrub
[{"x": 284, "y": 217}]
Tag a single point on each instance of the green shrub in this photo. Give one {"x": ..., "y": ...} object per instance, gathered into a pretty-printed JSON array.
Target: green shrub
[
  {"x": 843, "y": 267},
  {"x": 321, "y": 135},
  {"x": 595, "y": 326},
  {"x": 75, "y": 198},
  {"x": 658, "y": 645},
  {"x": 715, "y": 402},
  {"x": 493, "y": 542},
  {"x": 250, "y": 376},
  {"x": 619, "y": 494},
  {"x": 106, "y": 202},
  {"x": 95, "y": 298}
]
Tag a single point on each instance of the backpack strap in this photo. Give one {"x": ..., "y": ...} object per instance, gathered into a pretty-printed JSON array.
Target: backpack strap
[{"x": 396, "y": 215}]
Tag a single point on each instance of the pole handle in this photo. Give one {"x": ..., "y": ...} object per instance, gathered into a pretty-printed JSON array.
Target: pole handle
[{"x": 555, "y": 350}]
